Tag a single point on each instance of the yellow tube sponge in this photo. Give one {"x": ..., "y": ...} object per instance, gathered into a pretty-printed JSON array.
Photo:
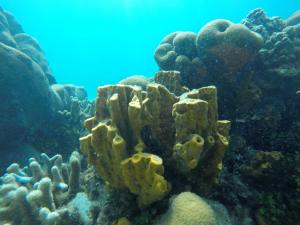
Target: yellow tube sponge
[
  {"x": 143, "y": 175},
  {"x": 183, "y": 131},
  {"x": 110, "y": 149},
  {"x": 190, "y": 116},
  {"x": 122, "y": 221},
  {"x": 224, "y": 127},
  {"x": 187, "y": 155}
]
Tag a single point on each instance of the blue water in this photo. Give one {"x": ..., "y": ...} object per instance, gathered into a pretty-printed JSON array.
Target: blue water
[{"x": 96, "y": 42}]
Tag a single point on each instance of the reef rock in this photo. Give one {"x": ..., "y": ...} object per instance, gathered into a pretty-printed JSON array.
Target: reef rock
[{"x": 259, "y": 22}]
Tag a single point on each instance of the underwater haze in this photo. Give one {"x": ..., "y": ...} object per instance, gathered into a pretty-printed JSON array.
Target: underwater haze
[
  {"x": 96, "y": 42},
  {"x": 140, "y": 112}
]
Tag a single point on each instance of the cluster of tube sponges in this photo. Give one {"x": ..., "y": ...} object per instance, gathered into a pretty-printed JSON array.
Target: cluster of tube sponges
[
  {"x": 33, "y": 195},
  {"x": 135, "y": 133}
]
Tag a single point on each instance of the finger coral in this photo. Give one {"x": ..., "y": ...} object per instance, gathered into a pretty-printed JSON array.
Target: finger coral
[{"x": 36, "y": 194}]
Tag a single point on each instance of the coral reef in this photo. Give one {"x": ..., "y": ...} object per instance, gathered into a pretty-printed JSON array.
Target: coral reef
[
  {"x": 281, "y": 52},
  {"x": 263, "y": 162},
  {"x": 134, "y": 131},
  {"x": 151, "y": 142},
  {"x": 258, "y": 21},
  {"x": 260, "y": 95},
  {"x": 222, "y": 54}
]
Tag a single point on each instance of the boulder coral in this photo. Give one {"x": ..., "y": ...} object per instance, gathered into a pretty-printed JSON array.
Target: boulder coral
[
  {"x": 177, "y": 51},
  {"x": 138, "y": 138},
  {"x": 216, "y": 53},
  {"x": 232, "y": 44},
  {"x": 12, "y": 34},
  {"x": 188, "y": 209}
]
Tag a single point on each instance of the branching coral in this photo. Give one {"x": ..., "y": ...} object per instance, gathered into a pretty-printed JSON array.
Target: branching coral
[{"x": 36, "y": 194}]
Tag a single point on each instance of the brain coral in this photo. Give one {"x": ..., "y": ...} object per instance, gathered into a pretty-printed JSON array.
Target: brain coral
[
  {"x": 233, "y": 44},
  {"x": 188, "y": 209},
  {"x": 177, "y": 51}
]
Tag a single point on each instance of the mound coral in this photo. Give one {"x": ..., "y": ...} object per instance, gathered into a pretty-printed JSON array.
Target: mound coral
[
  {"x": 177, "y": 51},
  {"x": 188, "y": 209},
  {"x": 135, "y": 134},
  {"x": 233, "y": 44},
  {"x": 216, "y": 53}
]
